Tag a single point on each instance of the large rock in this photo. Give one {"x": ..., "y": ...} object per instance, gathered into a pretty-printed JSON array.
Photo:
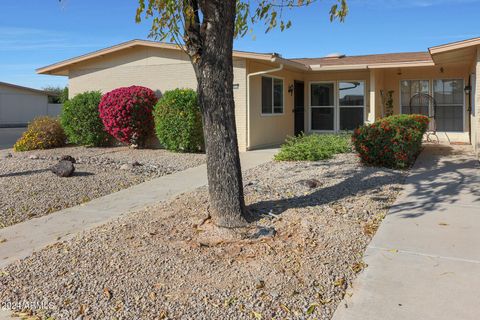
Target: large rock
[{"x": 63, "y": 168}]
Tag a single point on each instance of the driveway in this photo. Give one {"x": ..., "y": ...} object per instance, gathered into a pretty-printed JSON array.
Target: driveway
[
  {"x": 424, "y": 261},
  {"x": 8, "y": 136}
]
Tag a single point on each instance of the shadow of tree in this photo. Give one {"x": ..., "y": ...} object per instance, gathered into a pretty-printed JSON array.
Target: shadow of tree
[
  {"x": 365, "y": 180},
  {"x": 442, "y": 175},
  {"x": 23, "y": 173}
]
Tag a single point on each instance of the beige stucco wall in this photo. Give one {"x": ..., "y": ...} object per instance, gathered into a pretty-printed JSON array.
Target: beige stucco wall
[
  {"x": 20, "y": 106},
  {"x": 267, "y": 130},
  {"x": 155, "y": 68}
]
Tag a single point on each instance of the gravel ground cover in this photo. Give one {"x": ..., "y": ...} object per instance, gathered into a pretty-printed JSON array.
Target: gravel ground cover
[
  {"x": 28, "y": 189},
  {"x": 311, "y": 223}
]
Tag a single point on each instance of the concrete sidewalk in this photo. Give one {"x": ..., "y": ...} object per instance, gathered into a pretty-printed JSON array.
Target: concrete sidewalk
[
  {"x": 424, "y": 261},
  {"x": 24, "y": 238}
]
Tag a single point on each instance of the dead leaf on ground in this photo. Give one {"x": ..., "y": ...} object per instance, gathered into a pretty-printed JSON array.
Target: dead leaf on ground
[
  {"x": 312, "y": 307},
  {"x": 107, "y": 293}
]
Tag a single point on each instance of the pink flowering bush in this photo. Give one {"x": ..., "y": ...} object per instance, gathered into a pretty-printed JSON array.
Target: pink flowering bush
[{"x": 126, "y": 114}]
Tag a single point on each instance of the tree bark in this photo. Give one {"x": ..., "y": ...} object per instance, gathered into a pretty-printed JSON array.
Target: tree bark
[{"x": 213, "y": 64}]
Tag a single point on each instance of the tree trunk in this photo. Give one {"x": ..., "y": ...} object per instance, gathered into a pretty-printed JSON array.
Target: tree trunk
[{"x": 214, "y": 71}]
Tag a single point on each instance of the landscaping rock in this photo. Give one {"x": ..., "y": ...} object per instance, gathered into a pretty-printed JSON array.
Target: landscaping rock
[
  {"x": 126, "y": 166},
  {"x": 68, "y": 158},
  {"x": 136, "y": 164},
  {"x": 311, "y": 183},
  {"x": 63, "y": 169},
  {"x": 7, "y": 156},
  {"x": 33, "y": 157},
  {"x": 164, "y": 268}
]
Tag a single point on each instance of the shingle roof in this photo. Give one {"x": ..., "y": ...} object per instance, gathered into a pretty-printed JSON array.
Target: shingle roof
[{"x": 405, "y": 57}]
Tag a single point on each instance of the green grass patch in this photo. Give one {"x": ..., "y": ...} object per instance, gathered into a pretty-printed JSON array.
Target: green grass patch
[{"x": 313, "y": 147}]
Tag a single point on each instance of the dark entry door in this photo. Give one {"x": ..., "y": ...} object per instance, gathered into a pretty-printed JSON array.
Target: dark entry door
[{"x": 299, "y": 108}]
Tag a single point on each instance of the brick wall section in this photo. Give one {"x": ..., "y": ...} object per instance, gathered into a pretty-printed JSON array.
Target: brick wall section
[{"x": 157, "y": 69}]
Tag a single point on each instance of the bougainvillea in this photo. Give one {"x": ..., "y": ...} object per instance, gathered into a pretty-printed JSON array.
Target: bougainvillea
[
  {"x": 126, "y": 114},
  {"x": 392, "y": 142}
]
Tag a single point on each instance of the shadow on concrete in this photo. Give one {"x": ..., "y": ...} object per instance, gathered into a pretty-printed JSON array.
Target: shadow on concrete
[{"x": 441, "y": 176}]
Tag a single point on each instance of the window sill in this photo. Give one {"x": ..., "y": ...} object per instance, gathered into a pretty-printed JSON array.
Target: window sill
[{"x": 272, "y": 114}]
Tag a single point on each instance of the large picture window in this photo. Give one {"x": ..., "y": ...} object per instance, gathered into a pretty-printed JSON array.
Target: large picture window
[
  {"x": 351, "y": 102},
  {"x": 272, "y": 95},
  {"x": 449, "y": 97},
  {"x": 409, "y": 88},
  {"x": 322, "y": 102}
]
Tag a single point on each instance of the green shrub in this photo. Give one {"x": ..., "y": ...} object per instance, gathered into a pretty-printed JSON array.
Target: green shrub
[
  {"x": 392, "y": 142},
  {"x": 313, "y": 147},
  {"x": 81, "y": 121},
  {"x": 41, "y": 133},
  {"x": 178, "y": 121}
]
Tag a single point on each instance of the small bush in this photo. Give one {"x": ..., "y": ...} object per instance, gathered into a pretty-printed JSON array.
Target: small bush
[
  {"x": 178, "y": 121},
  {"x": 41, "y": 133},
  {"x": 81, "y": 121},
  {"x": 313, "y": 147},
  {"x": 392, "y": 142},
  {"x": 126, "y": 114}
]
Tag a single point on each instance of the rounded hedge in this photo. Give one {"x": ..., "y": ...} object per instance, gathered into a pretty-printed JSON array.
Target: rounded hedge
[
  {"x": 81, "y": 120},
  {"x": 178, "y": 121},
  {"x": 41, "y": 133},
  {"x": 127, "y": 115},
  {"x": 392, "y": 142}
]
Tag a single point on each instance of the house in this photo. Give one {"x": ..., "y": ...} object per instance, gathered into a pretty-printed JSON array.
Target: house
[
  {"x": 276, "y": 97},
  {"x": 20, "y": 105}
]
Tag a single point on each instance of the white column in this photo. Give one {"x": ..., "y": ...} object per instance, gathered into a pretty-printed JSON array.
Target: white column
[
  {"x": 372, "y": 104},
  {"x": 475, "y": 121}
]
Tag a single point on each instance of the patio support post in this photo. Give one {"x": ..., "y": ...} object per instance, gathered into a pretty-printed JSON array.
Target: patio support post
[
  {"x": 372, "y": 103},
  {"x": 476, "y": 116}
]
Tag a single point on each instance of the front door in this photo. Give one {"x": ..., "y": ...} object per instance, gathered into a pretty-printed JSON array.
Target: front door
[{"x": 299, "y": 108}]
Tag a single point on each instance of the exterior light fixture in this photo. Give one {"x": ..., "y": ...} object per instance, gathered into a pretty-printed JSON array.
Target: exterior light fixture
[
  {"x": 290, "y": 89},
  {"x": 468, "y": 89}
]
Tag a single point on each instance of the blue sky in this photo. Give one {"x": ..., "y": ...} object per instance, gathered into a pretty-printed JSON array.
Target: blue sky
[{"x": 35, "y": 33}]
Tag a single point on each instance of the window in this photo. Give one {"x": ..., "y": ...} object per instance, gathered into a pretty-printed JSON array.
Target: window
[
  {"x": 409, "y": 88},
  {"x": 449, "y": 96},
  {"x": 351, "y": 104},
  {"x": 322, "y": 102},
  {"x": 272, "y": 95}
]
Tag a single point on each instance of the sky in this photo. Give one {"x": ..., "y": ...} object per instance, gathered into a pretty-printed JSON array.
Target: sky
[{"x": 36, "y": 33}]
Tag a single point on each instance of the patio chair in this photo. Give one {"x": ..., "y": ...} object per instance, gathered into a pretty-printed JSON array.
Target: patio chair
[{"x": 425, "y": 104}]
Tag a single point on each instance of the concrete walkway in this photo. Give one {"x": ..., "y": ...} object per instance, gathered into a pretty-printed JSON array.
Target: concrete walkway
[
  {"x": 24, "y": 238},
  {"x": 424, "y": 261}
]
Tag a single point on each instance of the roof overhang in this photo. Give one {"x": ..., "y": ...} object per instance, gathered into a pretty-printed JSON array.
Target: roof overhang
[
  {"x": 15, "y": 86},
  {"x": 455, "y": 52},
  {"x": 346, "y": 67},
  {"x": 61, "y": 68}
]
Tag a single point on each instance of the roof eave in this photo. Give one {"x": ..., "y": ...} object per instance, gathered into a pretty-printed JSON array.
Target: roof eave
[{"x": 454, "y": 46}]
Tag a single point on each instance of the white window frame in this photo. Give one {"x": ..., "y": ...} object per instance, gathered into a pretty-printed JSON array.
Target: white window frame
[
  {"x": 273, "y": 96},
  {"x": 430, "y": 92},
  {"x": 400, "y": 92},
  {"x": 336, "y": 104},
  {"x": 364, "y": 100},
  {"x": 312, "y": 107}
]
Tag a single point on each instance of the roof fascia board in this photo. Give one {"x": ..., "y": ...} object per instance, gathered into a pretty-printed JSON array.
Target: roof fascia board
[{"x": 454, "y": 46}]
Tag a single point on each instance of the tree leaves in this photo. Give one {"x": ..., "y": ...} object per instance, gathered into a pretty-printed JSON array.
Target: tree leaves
[{"x": 172, "y": 18}]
